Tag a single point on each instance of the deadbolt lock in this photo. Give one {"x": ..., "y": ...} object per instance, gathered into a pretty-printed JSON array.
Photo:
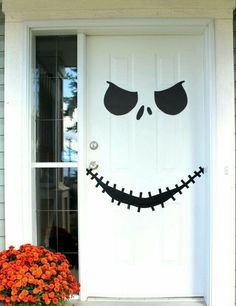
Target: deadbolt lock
[{"x": 93, "y": 145}]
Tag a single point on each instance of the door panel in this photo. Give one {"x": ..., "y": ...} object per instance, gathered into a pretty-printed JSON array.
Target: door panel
[{"x": 151, "y": 253}]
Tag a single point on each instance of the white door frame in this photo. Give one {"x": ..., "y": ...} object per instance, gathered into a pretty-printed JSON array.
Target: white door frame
[{"x": 220, "y": 118}]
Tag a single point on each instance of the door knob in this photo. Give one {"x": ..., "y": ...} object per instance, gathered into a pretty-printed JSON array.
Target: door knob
[{"x": 93, "y": 165}]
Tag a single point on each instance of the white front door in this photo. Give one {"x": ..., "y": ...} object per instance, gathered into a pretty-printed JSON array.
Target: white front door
[{"x": 149, "y": 140}]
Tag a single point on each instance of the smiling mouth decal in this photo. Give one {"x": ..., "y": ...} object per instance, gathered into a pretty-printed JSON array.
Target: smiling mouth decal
[{"x": 149, "y": 202}]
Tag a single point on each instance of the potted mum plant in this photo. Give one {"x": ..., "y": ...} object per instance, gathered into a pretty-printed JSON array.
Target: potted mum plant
[{"x": 33, "y": 275}]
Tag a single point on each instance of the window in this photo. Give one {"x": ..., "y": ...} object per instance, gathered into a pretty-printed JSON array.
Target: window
[{"x": 56, "y": 154}]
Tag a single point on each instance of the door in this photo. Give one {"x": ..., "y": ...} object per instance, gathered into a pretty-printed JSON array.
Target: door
[{"x": 145, "y": 106}]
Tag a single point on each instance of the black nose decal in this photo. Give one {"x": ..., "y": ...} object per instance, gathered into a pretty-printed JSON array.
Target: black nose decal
[
  {"x": 140, "y": 113},
  {"x": 119, "y": 101},
  {"x": 149, "y": 110}
]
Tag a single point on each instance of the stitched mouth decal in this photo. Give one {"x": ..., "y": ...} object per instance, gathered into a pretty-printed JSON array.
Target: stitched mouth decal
[{"x": 149, "y": 202}]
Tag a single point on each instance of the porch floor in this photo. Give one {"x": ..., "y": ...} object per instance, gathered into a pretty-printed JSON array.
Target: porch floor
[{"x": 140, "y": 303}]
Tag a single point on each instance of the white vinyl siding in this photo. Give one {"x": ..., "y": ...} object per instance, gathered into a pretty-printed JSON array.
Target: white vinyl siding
[
  {"x": 2, "y": 213},
  {"x": 234, "y": 24}
]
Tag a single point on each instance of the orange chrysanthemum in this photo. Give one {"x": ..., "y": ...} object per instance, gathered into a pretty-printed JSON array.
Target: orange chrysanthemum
[{"x": 34, "y": 275}]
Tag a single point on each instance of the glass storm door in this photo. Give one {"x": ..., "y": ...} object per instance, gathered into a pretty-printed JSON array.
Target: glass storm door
[
  {"x": 145, "y": 105},
  {"x": 56, "y": 151}
]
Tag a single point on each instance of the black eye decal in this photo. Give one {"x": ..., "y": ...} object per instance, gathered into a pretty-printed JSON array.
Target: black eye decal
[
  {"x": 119, "y": 101},
  {"x": 173, "y": 100}
]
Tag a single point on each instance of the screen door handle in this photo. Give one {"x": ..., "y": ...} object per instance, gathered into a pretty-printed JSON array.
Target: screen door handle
[{"x": 93, "y": 165}]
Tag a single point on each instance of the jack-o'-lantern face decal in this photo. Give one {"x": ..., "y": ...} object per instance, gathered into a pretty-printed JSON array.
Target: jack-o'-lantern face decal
[{"x": 119, "y": 101}]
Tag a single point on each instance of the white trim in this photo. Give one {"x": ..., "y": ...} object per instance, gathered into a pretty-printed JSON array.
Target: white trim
[
  {"x": 222, "y": 217},
  {"x": 211, "y": 126},
  {"x": 32, "y": 114},
  {"x": 18, "y": 225},
  {"x": 82, "y": 115},
  {"x": 26, "y": 149},
  {"x": 119, "y": 26},
  {"x": 219, "y": 170}
]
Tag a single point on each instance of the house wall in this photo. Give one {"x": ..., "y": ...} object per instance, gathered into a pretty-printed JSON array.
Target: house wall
[
  {"x": 2, "y": 223},
  {"x": 234, "y": 25},
  {"x": 54, "y": 9}
]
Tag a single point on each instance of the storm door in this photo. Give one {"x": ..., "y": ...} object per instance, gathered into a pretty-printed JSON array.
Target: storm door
[
  {"x": 56, "y": 150},
  {"x": 145, "y": 137}
]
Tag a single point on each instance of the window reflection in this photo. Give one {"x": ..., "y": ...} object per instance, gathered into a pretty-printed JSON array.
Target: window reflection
[
  {"x": 57, "y": 214},
  {"x": 56, "y": 109}
]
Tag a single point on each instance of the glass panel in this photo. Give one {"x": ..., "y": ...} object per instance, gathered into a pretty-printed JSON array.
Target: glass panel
[
  {"x": 2, "y": 29},
  {"x": 57, "y": 215},
  {"x": 1, "y": 76},
  {"x": 1, "y": 93},
  {"x": 56, "y": 98},
  {"x": 46, "y": 56},
  {"x": 1, "y": 42},
  {"x": 1, "y": 59},
  {"x": 49, "y": 140}
]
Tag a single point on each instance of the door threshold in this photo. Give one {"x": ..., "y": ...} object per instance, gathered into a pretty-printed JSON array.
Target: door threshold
[{"x": 199, "y": 301}]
